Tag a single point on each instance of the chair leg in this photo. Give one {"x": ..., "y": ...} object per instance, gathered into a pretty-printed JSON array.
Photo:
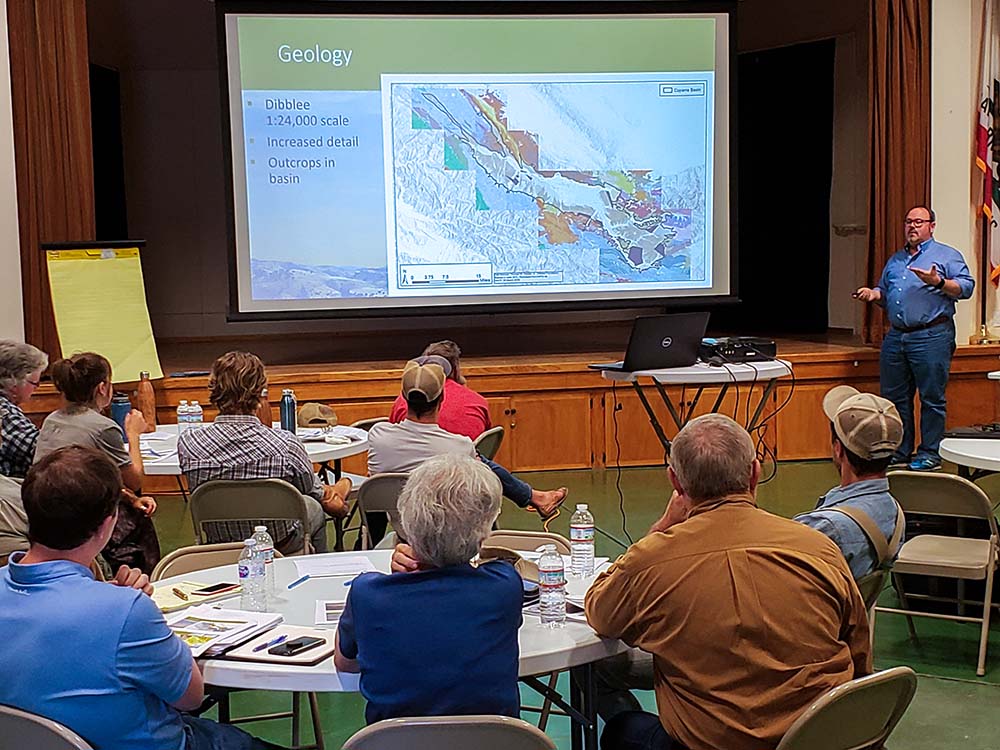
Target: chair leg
[
  {"x": 906, "y": 605},
  {"x": 225, "y": 714},
  {"x": 871, "y": 629},
  {"x": 316, "y": 721},
  {"x": 985, "y": 634},
  {"x": 543, "y": 715},
  {"x": 296, "y": 716}
]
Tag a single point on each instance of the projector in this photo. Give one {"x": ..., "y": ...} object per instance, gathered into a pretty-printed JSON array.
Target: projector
[{"x": 735, "y": 349}]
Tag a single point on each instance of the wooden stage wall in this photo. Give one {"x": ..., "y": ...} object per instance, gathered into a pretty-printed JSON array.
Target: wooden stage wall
[{"x": 561, "y": 415}]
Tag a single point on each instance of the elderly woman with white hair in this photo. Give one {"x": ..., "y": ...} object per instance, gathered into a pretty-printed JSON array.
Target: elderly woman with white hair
[
  {"x": 441, "y": 640},
  {"x": 21, "y": 368}
]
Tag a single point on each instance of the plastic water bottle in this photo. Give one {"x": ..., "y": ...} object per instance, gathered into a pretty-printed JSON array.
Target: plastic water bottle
[
  {"x": 551, "y": 587},
  {"x": 196, "y": 415},
  {"x": 182, "y": 416},
  {"x": 581, "y": 536},
  {"x": 251, "y": 566},
  {"x": 265, "y": 545}
]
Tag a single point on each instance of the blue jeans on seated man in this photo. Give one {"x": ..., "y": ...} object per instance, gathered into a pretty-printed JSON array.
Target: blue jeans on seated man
[
  {"x": 637, "y": 730},
  {"x": 918, "y": 362},
  {"x": 204, "y": 734}
]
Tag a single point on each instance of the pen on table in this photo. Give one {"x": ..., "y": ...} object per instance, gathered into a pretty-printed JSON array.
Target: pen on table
[
  {"x": 275, "y": 642},
  {"x": 180, "y": 594},
  {"x": 303, "y": 579}
]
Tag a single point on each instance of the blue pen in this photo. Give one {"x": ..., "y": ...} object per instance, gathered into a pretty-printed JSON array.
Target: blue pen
[
  {"x": 302, "y": 580},
  {"x": 275, "y": 642}
]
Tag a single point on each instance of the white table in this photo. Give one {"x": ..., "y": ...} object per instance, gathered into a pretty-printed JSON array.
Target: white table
[
  {"x": 574, "y": 646},
  {"x": 700, "y": 376},
  {"x": 976, "y": 457},
  {"x": 319, "y": 452}
]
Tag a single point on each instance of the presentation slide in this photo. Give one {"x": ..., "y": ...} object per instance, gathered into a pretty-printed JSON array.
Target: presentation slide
[{"x": 399, "y": 161}]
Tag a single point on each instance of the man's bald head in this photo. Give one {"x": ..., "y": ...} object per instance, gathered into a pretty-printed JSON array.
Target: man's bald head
[{"x": 713, "y": 457}]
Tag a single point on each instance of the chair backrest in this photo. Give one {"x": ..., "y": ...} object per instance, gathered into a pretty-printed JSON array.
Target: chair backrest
[
  {"x": 250, "y": 500},
  {"x": 367, "y": 424},
  {"x": 941, "y": 495},
  {"x": 527, "y": 541},
  {"x": 198, "y": 557},
  {"x": 488, "y": 444},
  {"x": 379, "y": 494},
  {"x": 871, "y": 586},
  {"x": 23, "y": 729},
  {"x": 436, "y": 732},
  {"x": 857, "y": 715}
]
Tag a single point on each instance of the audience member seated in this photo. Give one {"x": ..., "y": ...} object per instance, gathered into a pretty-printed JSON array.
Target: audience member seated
[
  {"x": 84, "y": 380},
  {"x": 866, "y": 430},
  {"x": 21, "y": 368},
  {"x": 96, "y": 657},
  {"x": 237, "y": 446},
  {"x": 458, "y": 652},
  {"x": 13, "y": 520},
  {"x": 463, "y": 411},
  {"x": 749, "y": 617},
  {"x": 404, "y": 446}
]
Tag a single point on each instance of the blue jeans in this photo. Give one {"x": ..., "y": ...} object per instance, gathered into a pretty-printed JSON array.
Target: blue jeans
[
  {"x": 204, "y": 734},
  {"x": 514, "y": 489},
  {"x": 918, "y": 362},
  {"x": 637, "y": 730}
]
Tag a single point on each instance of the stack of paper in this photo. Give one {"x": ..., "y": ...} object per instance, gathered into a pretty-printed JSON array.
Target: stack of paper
[
  {"x": 330, "y": 566},
  {"x": 328, "y": 611},
  {"x": 209, "y": 630}
]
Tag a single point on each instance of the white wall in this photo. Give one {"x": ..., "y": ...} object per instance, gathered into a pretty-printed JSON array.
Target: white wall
[
  {"x": 11, "y": 310},
  {"x": 955, "y": 184}
]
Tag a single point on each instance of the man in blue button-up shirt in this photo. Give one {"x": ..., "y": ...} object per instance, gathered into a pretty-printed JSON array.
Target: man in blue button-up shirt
[{"x": 918, "y": 290}]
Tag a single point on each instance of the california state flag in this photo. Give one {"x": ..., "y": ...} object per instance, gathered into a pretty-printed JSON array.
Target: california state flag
[{"x": 988, "y": 135}]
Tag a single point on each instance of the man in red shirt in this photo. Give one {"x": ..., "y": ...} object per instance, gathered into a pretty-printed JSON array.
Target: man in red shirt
[{"x": 463, "y": 411}]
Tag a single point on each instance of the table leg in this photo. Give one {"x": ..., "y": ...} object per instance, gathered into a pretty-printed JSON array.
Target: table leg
[
  {"x": 581, "y": 680},
  {"x": 657, "y": 427},
  {"x": 768, "y": 390},
  {"x": 181, "y": 487}
]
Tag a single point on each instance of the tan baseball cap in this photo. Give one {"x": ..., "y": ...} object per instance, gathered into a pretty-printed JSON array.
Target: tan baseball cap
[
  {"x": 427, "y": 379},
  {"x": 868, "y": 425},
  {"x": 316, "y": 415}
]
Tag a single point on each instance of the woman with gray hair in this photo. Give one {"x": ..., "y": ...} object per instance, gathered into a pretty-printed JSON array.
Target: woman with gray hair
[
  {"x": 456, "y": 652},
  {"x": 21, "y": 368}
]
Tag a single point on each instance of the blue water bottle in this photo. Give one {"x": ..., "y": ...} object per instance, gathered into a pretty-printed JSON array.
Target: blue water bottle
[
  {"x": 287, "y": 410},
  {"x": 120, "y": 407}
]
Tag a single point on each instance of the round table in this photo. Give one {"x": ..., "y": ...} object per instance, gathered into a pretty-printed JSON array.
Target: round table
[
  {"x": 166, "y": 463},
  {"x": 575, "y": 646},
  {"x": 976, "y": 457}
]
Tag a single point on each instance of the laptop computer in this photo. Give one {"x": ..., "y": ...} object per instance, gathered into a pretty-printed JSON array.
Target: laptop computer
[{"x": 662, "y": 341}]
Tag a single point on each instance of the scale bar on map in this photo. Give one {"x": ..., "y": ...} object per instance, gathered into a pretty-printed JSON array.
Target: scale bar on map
[{"x": 445, "y": 274}]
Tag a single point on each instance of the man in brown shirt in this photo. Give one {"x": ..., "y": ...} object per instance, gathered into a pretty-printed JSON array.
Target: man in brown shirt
[{"x": 749, "y": 617}]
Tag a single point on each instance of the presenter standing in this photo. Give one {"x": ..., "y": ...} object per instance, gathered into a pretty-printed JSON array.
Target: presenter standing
[{"x": 918, "y": 289}]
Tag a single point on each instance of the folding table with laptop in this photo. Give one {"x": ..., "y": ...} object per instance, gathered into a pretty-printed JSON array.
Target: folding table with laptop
[{"x": 664, "y": 349}]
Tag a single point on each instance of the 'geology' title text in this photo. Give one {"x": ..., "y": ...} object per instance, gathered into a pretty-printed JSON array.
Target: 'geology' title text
[{"x": 338, "y": 58}]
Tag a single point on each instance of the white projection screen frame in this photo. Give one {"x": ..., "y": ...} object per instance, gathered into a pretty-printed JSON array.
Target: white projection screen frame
[{"x": 481, "y": 190}]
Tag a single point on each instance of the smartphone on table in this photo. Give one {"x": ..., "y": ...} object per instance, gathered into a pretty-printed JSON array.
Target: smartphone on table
[
  {"x": 215, "y": 588},
  {"x": 296, "y": 646}
]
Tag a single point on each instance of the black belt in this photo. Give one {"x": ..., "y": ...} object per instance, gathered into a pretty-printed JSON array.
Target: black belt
[{"x": 939, "y": 320}]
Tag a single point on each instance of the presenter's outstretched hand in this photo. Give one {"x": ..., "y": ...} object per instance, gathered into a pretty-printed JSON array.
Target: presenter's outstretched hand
[
  {"x": 930, "y": 277},
  {"x": 868, "y": 295}
]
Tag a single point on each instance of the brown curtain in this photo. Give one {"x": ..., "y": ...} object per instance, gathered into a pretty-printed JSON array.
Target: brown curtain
[
  {"x": 50, "y": 93},
  {"x": 899, "y": 92}
]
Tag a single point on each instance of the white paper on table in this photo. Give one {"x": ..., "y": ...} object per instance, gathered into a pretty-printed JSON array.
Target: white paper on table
[
  {"x": 336, "y": 565},
  {"x": 155, "y": 436},
  {"x": 328, "y": 612},
  {"x": 354, "y": 433}
]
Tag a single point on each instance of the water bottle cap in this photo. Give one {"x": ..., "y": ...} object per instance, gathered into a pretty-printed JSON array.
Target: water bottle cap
[
  {"x": 260, "y": 528},
  {"x": 581, "y": 506},
  {"x": 546, "y": 548},
  {"x": 183, "y": 402},
  {"x": 194, "y": 403},
  {"x": 143, "y": 375},
  {"x": 287, "y": 392},
  {"x": 249, "y": 542}
]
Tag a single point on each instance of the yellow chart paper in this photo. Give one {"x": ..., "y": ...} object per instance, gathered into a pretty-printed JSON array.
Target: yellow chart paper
[{"x": 100, "y": 306}]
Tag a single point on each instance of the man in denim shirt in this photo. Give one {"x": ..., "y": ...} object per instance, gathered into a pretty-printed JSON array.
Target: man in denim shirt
[
  {"x": 918, "y": 290},
  {"x": 866, "y": 430}
]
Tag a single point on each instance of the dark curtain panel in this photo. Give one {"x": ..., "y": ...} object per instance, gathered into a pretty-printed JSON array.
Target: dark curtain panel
[
  {"x": 899, "y": 87},
  {"x": 50, "y": 95}
]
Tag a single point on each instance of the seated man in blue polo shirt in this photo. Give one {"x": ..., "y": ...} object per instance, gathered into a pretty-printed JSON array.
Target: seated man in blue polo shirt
[
  {"x": 442, "y": 639},
  {"x": 866, "y": 430},
  {"x": 96, "y": 657}
]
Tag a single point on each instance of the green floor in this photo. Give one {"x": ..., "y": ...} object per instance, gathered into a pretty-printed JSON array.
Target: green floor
[{"x": 952, "y": 708}]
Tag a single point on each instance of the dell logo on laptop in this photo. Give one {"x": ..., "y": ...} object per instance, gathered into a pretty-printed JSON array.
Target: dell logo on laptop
[{"x": 666, "y": 342}]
